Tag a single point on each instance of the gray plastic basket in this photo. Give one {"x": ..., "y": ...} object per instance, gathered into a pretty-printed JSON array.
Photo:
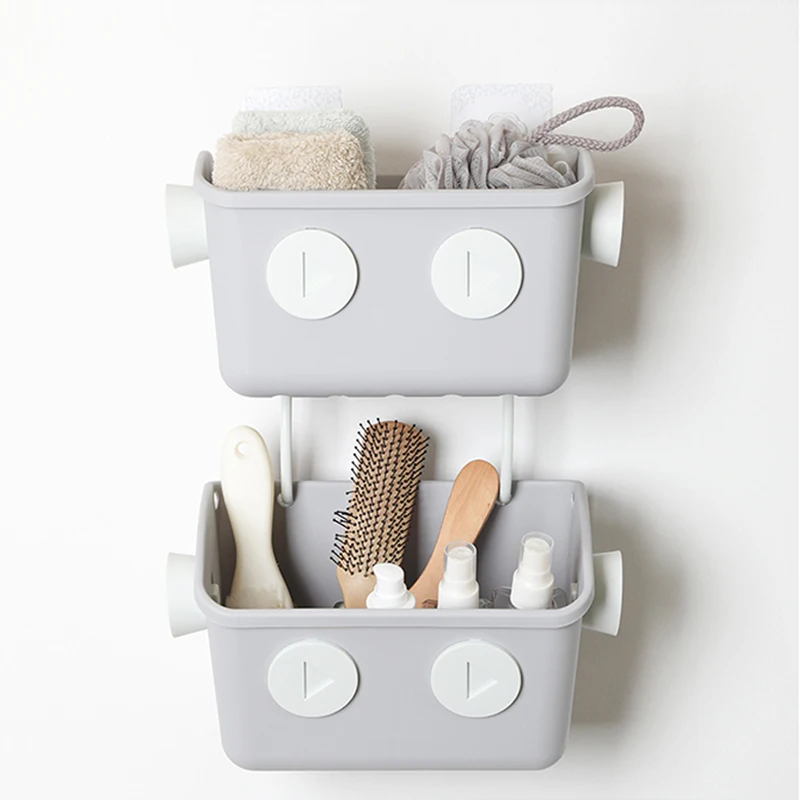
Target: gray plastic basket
[
  {"x": 394, "y": 336},
  {"x": 394, "y": 650}
]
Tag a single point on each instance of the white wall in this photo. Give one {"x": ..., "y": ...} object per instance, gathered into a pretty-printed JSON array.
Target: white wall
[{"x": 679, "y": 414}]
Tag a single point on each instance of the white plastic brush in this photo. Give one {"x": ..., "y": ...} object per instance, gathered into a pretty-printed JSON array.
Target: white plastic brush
[{"x": 248, "y": 490}]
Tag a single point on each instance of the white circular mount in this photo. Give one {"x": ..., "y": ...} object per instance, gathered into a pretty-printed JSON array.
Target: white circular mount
[
  {"x": 476, "y": 273},
  {"x": 475, "y": 679},
  {"x": 311, "y": 678},
  {"x": 312, "y": 274},
  {"x": 183, "y": 612}
]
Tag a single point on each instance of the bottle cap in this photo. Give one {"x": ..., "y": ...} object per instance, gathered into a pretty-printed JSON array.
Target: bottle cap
[
  {"x": 389, "y": 580},
  {"x": 532, "y": 584},
  {"x": 458, "y": 587},
  {"x": 535, "y": 556},
  {"x": 460, "y": 562},
  {"x": 390, "y": 589}
]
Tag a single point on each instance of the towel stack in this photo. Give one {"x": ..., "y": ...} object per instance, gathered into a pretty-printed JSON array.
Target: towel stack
[{"x": 295, "y": 149}]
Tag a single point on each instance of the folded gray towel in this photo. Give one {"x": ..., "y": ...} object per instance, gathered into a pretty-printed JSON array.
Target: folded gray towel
[
  {"x": 250, "y": 123},
  {"x": 492, "y": 155}
]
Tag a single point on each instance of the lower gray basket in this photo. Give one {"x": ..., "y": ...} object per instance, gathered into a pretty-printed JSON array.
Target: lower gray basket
[{"x": 394, "y": 720}]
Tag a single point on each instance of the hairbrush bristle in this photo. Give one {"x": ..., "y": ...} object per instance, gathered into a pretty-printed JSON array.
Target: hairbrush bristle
[{"x": 386, "y": 471}]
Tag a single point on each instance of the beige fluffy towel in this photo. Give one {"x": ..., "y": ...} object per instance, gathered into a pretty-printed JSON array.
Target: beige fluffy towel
[{"x": 289, "y": 161}]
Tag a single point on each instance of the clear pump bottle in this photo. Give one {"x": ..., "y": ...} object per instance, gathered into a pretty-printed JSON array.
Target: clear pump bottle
[{"x": 533, "y": 585}]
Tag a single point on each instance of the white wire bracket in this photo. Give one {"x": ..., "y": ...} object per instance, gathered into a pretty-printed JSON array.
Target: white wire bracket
[
  {"x": 286, "y": 494},
  {"x": 507, "y": 452}
]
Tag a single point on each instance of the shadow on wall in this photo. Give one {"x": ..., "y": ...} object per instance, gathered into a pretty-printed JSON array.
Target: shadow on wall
[
  {"x": 609, "y": 299},
  {"x": 608, "y": 674},
  {"x": 608, "y": 320}
]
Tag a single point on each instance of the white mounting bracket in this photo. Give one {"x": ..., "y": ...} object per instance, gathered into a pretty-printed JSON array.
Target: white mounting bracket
[
  {"x": 286, "y": 494},
  {"x": 507, "y": 450},
  {"x": 183, "y": 612},
  {"x": 186, "y": 225},
  {"x": 603, "y": 216},
  {"x": 605, "y": 613}
]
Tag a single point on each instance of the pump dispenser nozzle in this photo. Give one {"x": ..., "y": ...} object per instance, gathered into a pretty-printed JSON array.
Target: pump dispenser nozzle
[
  {"x": 458, "y": 587},
  {"x": 532, "y": 585},
  {"x": 390, "y": 589}
]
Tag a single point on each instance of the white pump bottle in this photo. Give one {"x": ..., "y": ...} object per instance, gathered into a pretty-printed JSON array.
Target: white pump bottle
[
  {"x": 458, "y": 587},
  {"x": 390, "y": 589},
  {"x": 532, "y": 585}
]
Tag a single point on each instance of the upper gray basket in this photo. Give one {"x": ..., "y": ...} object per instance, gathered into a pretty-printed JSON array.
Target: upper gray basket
[{"x": 394, "y": 335}]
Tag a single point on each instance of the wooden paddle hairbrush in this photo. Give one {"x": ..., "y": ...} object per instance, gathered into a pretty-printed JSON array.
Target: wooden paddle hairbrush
[
  {"x": 386, "y": 473},
  {"x": 471, "y": 500}
]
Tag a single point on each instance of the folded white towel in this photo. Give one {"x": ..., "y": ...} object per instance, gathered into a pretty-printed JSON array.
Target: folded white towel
[
  {"x": 254, "y": 123},
  {"x": 292, "y": 98}
]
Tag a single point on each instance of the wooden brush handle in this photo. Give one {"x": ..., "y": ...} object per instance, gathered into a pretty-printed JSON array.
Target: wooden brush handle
[
  {"x": 471, "y": 501},
  {"x": 355, "y": 588}
]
